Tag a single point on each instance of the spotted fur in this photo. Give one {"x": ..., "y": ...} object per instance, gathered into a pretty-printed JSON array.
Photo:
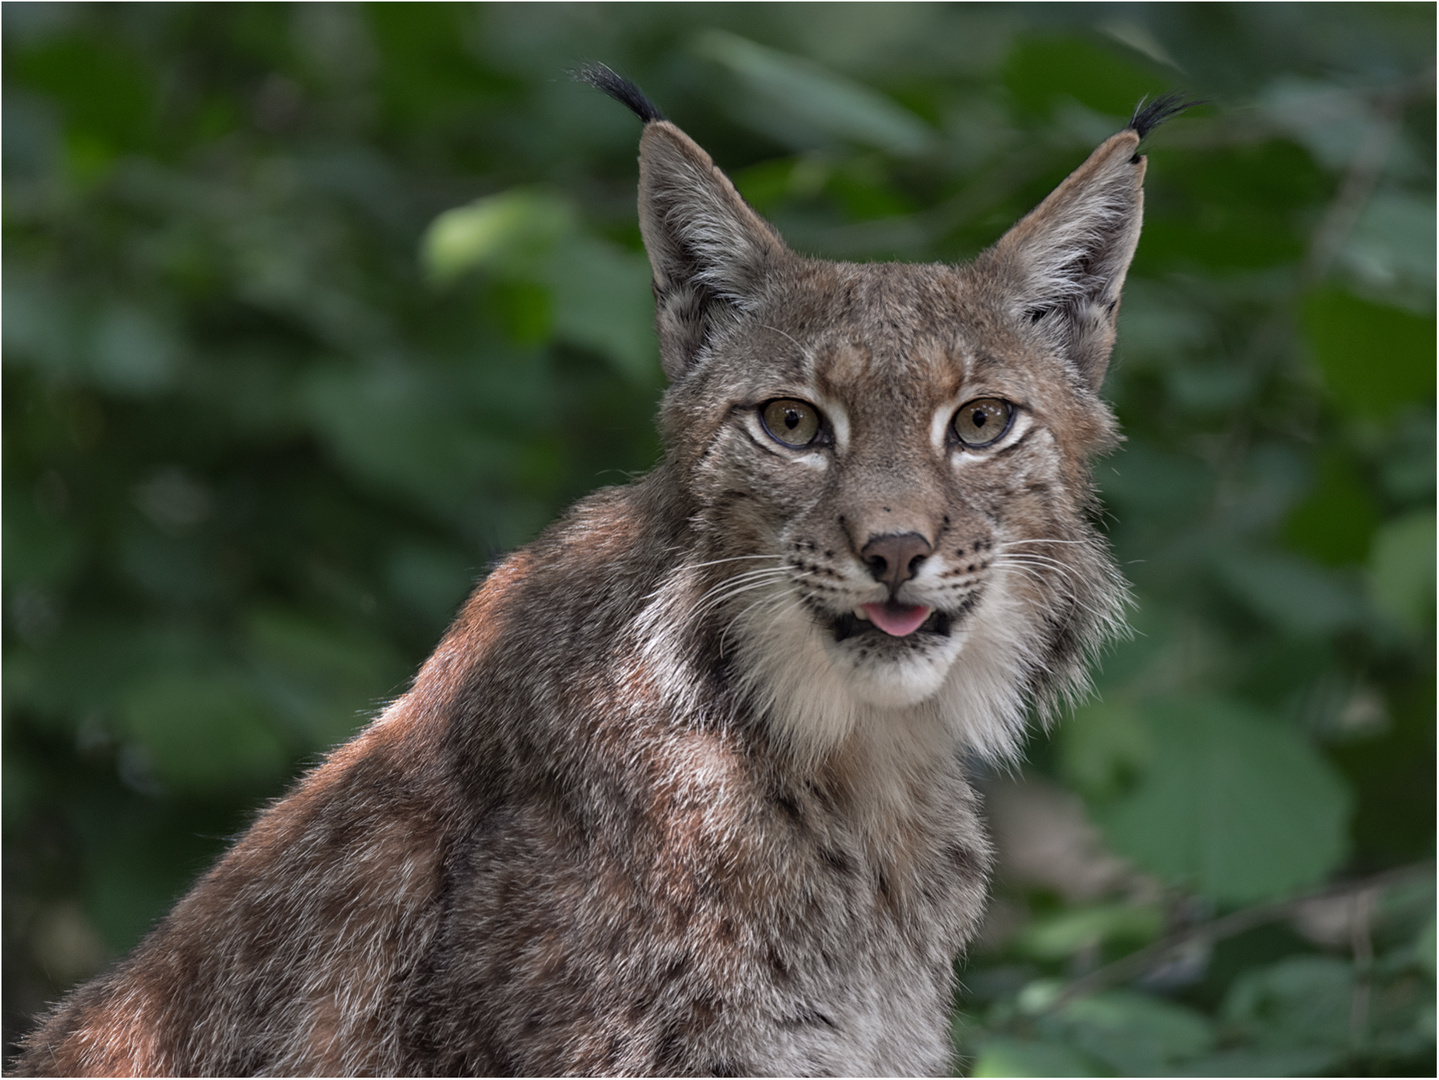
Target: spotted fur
[{"x": 665, "y": 799}]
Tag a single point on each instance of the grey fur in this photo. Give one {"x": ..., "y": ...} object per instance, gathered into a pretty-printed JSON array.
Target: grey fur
[{"x": 666, "y": 798}]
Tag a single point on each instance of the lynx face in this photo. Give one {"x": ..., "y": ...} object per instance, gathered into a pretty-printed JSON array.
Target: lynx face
[
  {"x": 897, "y": 492},
  {"x": 890, "y": 462}
]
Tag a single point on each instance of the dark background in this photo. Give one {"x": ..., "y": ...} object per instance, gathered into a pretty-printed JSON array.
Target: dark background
[{"x": 312, "y": 311}]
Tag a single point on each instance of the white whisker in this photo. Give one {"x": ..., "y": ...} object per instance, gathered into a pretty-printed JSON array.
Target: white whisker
[
  {"x": 724, "y": 597},
  {"x": 1038, "y": 540},
  {"x": 802, "y": 350},
  {"x": 733, "y": 558}
]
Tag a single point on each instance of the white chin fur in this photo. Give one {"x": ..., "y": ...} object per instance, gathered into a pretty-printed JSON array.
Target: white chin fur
[
  {"x": 905, "y": 680},
  {"x": 816, "y": 691}
]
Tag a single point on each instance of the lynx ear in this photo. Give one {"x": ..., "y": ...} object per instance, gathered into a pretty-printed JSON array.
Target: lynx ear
[
  {"x": 1068, "y": 257},
  {"x": 710, "y": 253}
]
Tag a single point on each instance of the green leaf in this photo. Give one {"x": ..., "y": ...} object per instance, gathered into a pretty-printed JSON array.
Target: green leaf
[
  {"x": 139, "y": 862},
  {"x": 1301, "y": 1001},
  {"x": 395, "y": 426},
  {"x": 123, "y": 347},
  {"x": 106, "y": 90},
  {"x": 1407, "y": 466},
  {"x": 1328, "y": 119},
  {"x": 43, "y": 324},
  {"x": 78, "y": 676},
  {"x": 1135, "y": 1034},
  {"x": 1401, "y": 570},
  {"x": 509, "y": 232},
  {"x": 1071, "y": 930},
  {"x": 1102, "y": 745},
  {"x": 1230, "y": 212},
  {"x": 1146, "y": 482},
  {"x": 1002, "y": 1056},
  {"x": 1373, "y": 357},
  {"x": 430, "y": 580},
  {"x": 1392, "y": 246},
  {"x": 1424, "y": 948},
  {"x": 1290, "y": 592},
  {"x": 814, "y": 100},
  {"x": 592, "y": 293},
  {"x": 1337, "y": 521},
  {"x": 603, "y": 302},
  {"x": 133, "y": 350},
  {"x": 1042, "y": 71},
  {"x": 1248, "y": 1062},
  {"x": 1232, "y": 805},
  {"x": 202, "y": 731},
  {"x": 38, "y": 548},
  {"x": 325, "y": 677},
  {"x": 21, "y": 785}
]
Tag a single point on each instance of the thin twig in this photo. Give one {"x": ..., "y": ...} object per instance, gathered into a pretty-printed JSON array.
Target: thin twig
[
  {"x": 1361, "y": 945},
  {"x": 1360, "y": 179},
  {"x": 1136, "y": 963}
]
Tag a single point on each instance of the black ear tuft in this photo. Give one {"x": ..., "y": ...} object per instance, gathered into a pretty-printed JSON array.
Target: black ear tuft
[
  {"x": 618, "y": 87},
  {"x": 1164, "y": 107}
]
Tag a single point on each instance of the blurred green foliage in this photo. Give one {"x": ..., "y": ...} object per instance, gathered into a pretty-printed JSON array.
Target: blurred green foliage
[{"x": 311, "y": 311}]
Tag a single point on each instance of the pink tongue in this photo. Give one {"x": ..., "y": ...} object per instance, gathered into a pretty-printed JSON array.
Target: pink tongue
[{"x": 897, "y": 619}]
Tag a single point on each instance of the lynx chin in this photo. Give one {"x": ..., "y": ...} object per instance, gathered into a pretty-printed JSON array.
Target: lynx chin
[{"x": 682, "y": 789}]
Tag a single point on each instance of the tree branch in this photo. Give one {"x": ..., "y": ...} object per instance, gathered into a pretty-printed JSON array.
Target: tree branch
[{"x": 1237, "y": 922}]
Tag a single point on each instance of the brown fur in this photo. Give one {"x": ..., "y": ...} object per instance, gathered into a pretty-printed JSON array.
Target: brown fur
[{"x": 660, "y": 802}]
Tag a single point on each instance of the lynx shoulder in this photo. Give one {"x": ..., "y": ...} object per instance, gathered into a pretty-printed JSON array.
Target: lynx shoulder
[{"x": 682, "y": 789}]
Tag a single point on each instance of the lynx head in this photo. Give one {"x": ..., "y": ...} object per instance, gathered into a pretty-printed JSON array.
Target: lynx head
[{"x": 887, "y": 465}]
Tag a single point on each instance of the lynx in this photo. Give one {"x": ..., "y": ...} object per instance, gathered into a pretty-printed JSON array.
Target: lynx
[{"x": 683, "y": 788}]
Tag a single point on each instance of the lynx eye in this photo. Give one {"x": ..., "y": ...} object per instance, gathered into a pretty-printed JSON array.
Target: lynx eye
[
  {"x": 982, "y": 421},
  {"x": 791, "y": 422}
]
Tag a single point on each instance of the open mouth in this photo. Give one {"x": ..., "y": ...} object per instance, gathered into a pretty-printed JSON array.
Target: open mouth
[{"x": 891, "y": 619}]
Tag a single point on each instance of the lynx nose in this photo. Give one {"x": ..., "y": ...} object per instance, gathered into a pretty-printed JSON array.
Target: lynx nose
[{"x": 895, "y": 558}]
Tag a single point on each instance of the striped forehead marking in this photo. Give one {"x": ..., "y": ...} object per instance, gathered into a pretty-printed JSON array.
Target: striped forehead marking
[
  {"x": 840, "y": 366},
  {"x": 926, "y": 370},
  {"x": 798, "y": 361}
]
